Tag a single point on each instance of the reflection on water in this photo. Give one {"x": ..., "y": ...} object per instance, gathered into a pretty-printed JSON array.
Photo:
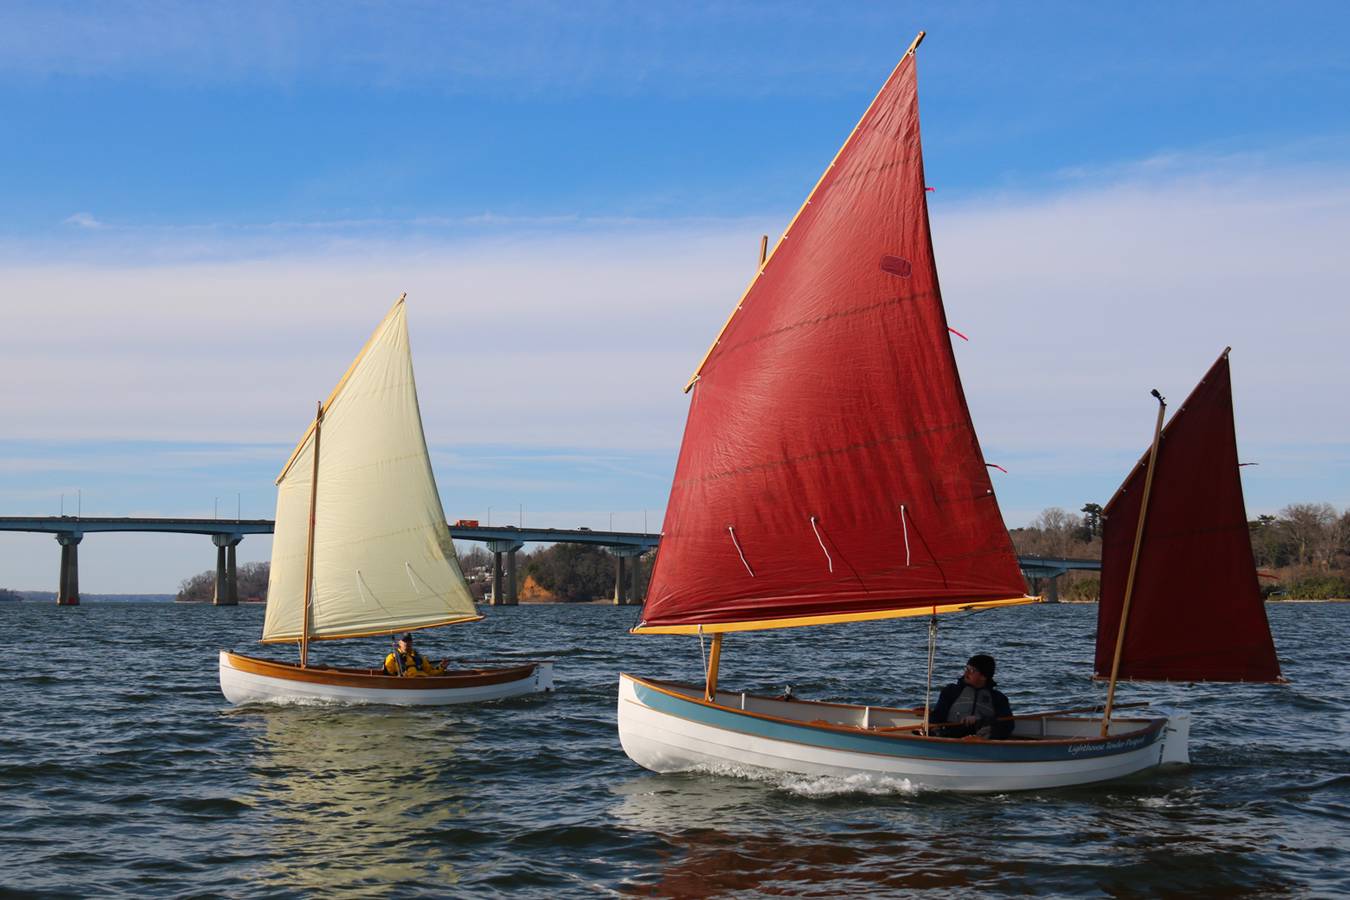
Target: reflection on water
[
  {"x": 355, "y": 793},
  {"x": 723, "y": 842}
]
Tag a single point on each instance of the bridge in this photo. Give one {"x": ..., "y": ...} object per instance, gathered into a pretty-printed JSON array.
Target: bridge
[
  {"x": 1044, "y": 571},
  {"x": 226, "y": 534},
  {"x": 503, "y": 541}
]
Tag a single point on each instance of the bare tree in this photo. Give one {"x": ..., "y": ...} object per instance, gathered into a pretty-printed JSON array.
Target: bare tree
[{"x": 1311, "y": 527}]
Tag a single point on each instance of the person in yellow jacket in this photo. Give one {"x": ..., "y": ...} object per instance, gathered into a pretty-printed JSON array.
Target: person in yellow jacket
[{"x": 409, "y": 663}]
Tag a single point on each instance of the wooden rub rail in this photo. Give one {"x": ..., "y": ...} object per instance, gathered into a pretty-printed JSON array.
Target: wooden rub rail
[{"x": 349, "y": 677}]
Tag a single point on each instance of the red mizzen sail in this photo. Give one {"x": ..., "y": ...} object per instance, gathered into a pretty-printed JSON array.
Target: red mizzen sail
[
  {"x": 829, "y": 469},
  {"x": 1196, "y": 612}
]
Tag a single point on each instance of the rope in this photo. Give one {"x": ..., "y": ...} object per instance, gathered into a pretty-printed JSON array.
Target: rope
[
  {"x": 407, "y": 565},
  {"x": 822, "y": 543},
  {"x": 737, "y": 544},
  {"x": 363, "y": 591},
  {"x": 703, "y": 650},
  {"x": 905, "y": 526},
  {"x": 928, "y": 690}
]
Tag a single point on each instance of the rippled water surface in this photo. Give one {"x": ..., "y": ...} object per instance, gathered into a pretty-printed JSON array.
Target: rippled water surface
[{"x": 124, "y": 772}]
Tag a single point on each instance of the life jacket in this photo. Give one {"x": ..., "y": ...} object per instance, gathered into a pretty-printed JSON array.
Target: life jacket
[
  {"x": 413, "y": 664},
  {"x": 978, "y": 702}
]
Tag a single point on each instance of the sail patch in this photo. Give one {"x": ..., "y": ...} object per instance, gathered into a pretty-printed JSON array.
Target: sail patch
[{"x": 896, "y": 265}]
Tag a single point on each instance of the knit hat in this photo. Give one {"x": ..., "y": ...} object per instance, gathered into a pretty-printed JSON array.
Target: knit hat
[{"x": 982, "y": 663}]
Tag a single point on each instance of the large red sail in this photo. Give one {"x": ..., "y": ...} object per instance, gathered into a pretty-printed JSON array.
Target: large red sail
[
  {"x": 1196, "y": 612},
  {"x": 829, "y": 468}
]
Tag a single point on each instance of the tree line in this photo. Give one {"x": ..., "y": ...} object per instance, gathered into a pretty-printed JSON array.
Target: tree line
[
  {"x": 567, "y": 573},
  {"x": 250, "y": 577},
  {"x": 1301, "y": 553}
]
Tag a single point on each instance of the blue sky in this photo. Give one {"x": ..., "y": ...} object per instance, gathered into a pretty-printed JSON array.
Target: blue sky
[{"x": 205, "y": 208}]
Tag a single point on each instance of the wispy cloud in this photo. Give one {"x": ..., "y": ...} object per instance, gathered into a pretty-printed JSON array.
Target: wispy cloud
[{"x": 83, "y": 220}]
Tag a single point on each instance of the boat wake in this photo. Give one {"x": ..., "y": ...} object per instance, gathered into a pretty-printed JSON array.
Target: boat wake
[{"x": 816, "y": 786}]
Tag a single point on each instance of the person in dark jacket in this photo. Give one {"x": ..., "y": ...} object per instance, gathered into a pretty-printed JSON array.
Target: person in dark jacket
[{"x": 972, "y": 705}]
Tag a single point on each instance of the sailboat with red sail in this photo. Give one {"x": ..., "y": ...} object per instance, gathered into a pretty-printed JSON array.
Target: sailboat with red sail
[
  {"x": 1180, "y": 599},
  {"x": 830, "y": 473}
]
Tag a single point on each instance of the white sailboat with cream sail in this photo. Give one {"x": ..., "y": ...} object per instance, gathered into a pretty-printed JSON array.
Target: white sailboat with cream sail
[{"x": 362, "y": 548}]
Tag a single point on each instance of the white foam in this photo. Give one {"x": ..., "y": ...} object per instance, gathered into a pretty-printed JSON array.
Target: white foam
[{"x": 816, "y": 786}]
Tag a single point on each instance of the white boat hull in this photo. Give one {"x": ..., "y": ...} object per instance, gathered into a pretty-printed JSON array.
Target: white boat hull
[
  {"x": 669, "y": 728},
  {"x": 247, "y": 679}
]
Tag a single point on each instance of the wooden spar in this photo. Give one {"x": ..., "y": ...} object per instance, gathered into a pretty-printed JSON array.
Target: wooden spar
[
  {"x": 717, "y": 340},
  {"x": 309, "y": 544},
  {"x": 763, "y": 249},
  {"x": 1134, "y": 561},
  {"x": 830, "y": 619},
  {"x": 710, "y": 688}
]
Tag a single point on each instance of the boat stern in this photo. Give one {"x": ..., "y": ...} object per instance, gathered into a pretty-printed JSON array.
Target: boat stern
[
  {"x": 543, "y": 676},
  {"x": 1176, "y": 739}
]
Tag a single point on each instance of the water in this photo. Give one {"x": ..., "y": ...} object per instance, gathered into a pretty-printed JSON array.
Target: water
[{"x": 123, "y": 772}]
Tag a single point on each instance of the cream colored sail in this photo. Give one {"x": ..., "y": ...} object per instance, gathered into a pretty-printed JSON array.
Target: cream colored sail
[{"x": 383, "y": 557}]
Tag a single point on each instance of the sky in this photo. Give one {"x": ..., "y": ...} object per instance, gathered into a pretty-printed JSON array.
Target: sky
[{"x": 206, "y": 208}]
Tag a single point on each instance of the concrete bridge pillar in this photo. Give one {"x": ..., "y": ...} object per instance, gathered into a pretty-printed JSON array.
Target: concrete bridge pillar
[
  {"x": 227, "y": 580},
  {"x": 1044, "y": 581},
  {"x": 68, "y": 589},
  {"x": 509, "y": 547},
  {"x": 627, "y": 557}
]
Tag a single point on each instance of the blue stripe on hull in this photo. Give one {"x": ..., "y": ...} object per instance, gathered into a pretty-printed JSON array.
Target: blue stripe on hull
[{"x": 899, "y": 746}]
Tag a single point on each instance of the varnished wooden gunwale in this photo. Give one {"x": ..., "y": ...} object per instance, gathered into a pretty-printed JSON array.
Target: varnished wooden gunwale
[{"x": 375, "y": 679}]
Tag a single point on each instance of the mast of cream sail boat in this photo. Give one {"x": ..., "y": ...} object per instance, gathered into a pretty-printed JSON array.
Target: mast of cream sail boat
[{"x": 309, "y": 544}]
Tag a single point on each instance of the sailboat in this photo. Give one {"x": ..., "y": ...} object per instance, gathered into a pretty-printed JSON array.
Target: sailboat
[
  {"x": 1180, "y": 600},
  {"x": 362, "y": 548},
  {"x": 830, "y": 473}
]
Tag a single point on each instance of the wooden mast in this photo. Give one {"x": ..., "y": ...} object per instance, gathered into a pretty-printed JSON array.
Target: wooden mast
[
  {"x": 714, "y": 658},
  {"x": 1134, "y": 561},
  {"x": 309, "y": 544}
]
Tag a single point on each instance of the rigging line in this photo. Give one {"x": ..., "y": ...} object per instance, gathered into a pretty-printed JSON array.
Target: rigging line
[
  {"x": 408, "y": 566},
  {"x": 928, "y": 689},
  {"x": 906, "y": 529},
  {"x": 703, "y": 650},
  {"x": 822, "y": 544},
  {"x": 731, "y": 529},
  {"x": 412, "y": 573},
  {"x": 363, "y": 591}
]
